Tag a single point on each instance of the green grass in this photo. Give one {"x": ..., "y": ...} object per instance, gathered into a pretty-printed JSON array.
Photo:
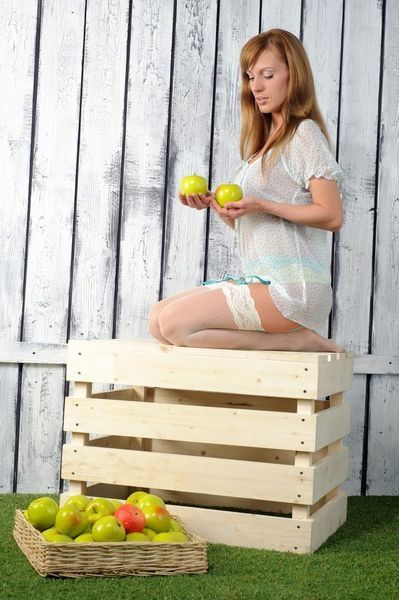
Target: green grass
[{"x": 360, "y": 561}]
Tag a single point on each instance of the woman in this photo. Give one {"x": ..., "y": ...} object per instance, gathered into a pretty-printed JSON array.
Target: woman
[{"x": 291, "y": 199}]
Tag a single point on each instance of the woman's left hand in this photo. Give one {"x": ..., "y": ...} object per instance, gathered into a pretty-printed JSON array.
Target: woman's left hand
[{"x": 234, "y": 210}]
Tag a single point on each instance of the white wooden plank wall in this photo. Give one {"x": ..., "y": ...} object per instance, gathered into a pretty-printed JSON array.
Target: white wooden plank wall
[{"x": 104, "y": 107}]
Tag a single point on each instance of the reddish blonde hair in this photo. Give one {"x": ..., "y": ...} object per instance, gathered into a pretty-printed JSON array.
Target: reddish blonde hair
[{"x": 300, "y": 103}]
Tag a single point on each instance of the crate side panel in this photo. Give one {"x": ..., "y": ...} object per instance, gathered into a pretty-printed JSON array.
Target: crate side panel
[
  {"x": 332, "y": 424},
  {"x": 328, "y": 519},
  {"x": 240, "y": 427},
  {"x": 330, "y": 472},
  {"x": 224, "y": 477}
]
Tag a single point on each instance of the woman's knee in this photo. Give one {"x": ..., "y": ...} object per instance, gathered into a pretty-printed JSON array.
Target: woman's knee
[
  {"x": 172, "y": 325},
  {"x": 153, "y": 321}
]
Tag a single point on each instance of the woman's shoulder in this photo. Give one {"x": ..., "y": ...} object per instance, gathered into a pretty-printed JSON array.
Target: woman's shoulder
[
  {"x": 308, "y": 127},
  {"x": 308, "y": 132}
]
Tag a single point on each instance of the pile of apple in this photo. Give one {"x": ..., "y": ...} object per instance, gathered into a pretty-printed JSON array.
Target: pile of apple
[{"x": 142, "y": 518}]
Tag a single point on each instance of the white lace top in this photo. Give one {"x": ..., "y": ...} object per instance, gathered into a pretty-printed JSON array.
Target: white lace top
[{"x": 294, "y": 258}]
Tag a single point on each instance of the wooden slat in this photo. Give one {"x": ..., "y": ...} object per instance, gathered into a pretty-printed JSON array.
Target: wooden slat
[
  {"x": 247, "y": 530},
  {"x": 154, "y": 365},
  {"x": 383, "y": 447},
  {"x": 17, "y": 67},
  {"x": 332, "y": 424},
  {"x": 239, "y": 427},
  {"x": 223, "y": 477},
  {"x": 328, "y": 519},
  {"x": 145, "y": 164},
  {"x": 50, "y": 236},
  {"x": 330, "y": 472}
]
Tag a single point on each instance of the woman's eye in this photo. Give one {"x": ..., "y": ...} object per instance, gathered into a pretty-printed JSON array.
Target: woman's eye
[{"x": 268, "y": 76}]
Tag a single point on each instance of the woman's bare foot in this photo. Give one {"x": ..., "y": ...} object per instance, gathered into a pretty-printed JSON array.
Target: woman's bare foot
[{"x": 307, "y": 340}]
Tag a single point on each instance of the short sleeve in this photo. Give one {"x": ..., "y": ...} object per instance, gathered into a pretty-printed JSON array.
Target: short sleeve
[{"x": 308, "y": 155}]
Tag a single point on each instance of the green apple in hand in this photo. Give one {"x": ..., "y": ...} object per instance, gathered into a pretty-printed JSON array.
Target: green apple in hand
[
  {"x": 97, "y": 508},
  {"x": 42, "y": 512},
  {"x": 108, "y": 529},
  {"x": 80, "y": 501},
  {"x": 71, "y": 521},
  {"x": 193, "y": 184},
  {"x": 228, "y": 192}
]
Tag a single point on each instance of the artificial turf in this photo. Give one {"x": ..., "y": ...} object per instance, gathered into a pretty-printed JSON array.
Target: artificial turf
[{"x": 361, "y": 560}]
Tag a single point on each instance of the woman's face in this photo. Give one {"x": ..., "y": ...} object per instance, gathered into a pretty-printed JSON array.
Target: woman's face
[{"x": 268, "y": 80}]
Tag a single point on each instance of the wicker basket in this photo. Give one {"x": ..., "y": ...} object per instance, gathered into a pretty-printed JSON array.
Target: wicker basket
[{"x": 109, "y": 559}]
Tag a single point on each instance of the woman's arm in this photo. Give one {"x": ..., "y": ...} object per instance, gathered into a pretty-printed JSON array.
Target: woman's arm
[{"x": 325, "y": 212}]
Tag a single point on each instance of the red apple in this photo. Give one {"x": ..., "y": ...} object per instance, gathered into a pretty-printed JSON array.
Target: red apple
[
  {"x": 132, "y": 517},
  {"x": 156, "y": 518}
]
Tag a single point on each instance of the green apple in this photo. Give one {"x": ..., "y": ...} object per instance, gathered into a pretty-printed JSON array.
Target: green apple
[
  {"x": 157, "y": 518},
  {"x": 97, "y": 508},
  {"x": 48, "y": 534},
  {"x": 136, "y": 536},
  {"x": 108, "y": 529},
  {"x": 57, "y": 538},
  {"x": 42, "y": 512},
  {"x": 150, "y": 533},
  {"x": 71, "y": 521},
  {"x": 84, "y": 537},
  {"x": 228, "y": 192},
  {"x": 175, "y": 525},
  {"x": 171, "y": 537},
  {"x": 136, "y": 497},
  {"x": 81, "y": 501},
  {"x": 150, "y": 500},
  {"x": 25, "y": 513},
  {"x": 116, "y": 503},
  {"x": 193, "y": 184}
]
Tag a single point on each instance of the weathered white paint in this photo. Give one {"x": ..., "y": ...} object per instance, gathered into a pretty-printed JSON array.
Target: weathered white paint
[
  {"x": 17, "y": 56},
  {"x": 190, "y": 137},
  {"x": 50, "y": 240},
  {"x": 357, "y": 151},
  {"x": 145, "y": 165},
  {"x": 169, "y": 133},
  {"x": 237, "y": 23},
  {"x": 383, "y": 455}
]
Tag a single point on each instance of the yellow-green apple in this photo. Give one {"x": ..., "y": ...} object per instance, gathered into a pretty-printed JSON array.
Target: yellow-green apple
[
  {"x": 150, "y": 533},
  {"x": 193, "y": 184},
  {"x": 108, "y": 529},
  {"x": 157, "y": 518},
  {"x": 150, "y": 500},
  {"x": 228, "y": 192},
  {"x": 136, "y": 536},
  {"x": 42, "y": 512},
  {"x": 136, "y": 497},
  {"x": 132, "y": 517},
  {"x": 116, "y": 503},
  {"x": 71, "y": 521},
  {"x": 175, "y": 525},
  {"x": 48, "y": 534},
  {"x": 80, "y": 500},
  {"x": 97, "y": 508},
  {"x": 84, "y": 537},
  {"x": 170, "y": 536},
  {"x": 57, "y": 538}
]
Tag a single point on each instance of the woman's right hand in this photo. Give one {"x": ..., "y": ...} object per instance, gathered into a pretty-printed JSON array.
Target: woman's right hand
[{"x": 198, "y": 201}]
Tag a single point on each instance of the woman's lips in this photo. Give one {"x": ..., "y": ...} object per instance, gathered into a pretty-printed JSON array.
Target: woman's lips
[{"x": 262, "y": 100}]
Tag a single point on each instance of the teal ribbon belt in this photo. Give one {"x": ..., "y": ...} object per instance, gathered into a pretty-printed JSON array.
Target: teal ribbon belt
[{"x": 239, "y": 280}]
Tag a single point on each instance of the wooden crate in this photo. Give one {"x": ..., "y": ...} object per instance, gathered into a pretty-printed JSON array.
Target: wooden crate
[{"x": 224, "y": 436}]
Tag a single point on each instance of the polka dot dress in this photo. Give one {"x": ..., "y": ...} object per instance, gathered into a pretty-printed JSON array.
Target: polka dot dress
[{"x": 294, "y": 258}]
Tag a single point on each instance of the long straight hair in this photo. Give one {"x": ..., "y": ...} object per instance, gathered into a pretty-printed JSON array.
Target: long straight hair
[{"x": 300, "y": 103}]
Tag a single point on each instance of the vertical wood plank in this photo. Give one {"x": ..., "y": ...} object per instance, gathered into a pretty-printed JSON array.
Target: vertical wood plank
[
  {"x": 50, "y": 241},
  {"x": 238, "y": 22},
  {"x": 190, "y": 136},
  {"x": 17, "y": 59},
  {"x": 383, "y": 449},
  {"x": 282, "y": 15},
  {"x": 98, "y": 192},
  {"x": 354, "y": 242},
  {"x": 145, "y": 165},
  {"x": 303, "y": 459},
  {"x": 318, "y": 21},
  {"x": 82, "y": 389}
]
